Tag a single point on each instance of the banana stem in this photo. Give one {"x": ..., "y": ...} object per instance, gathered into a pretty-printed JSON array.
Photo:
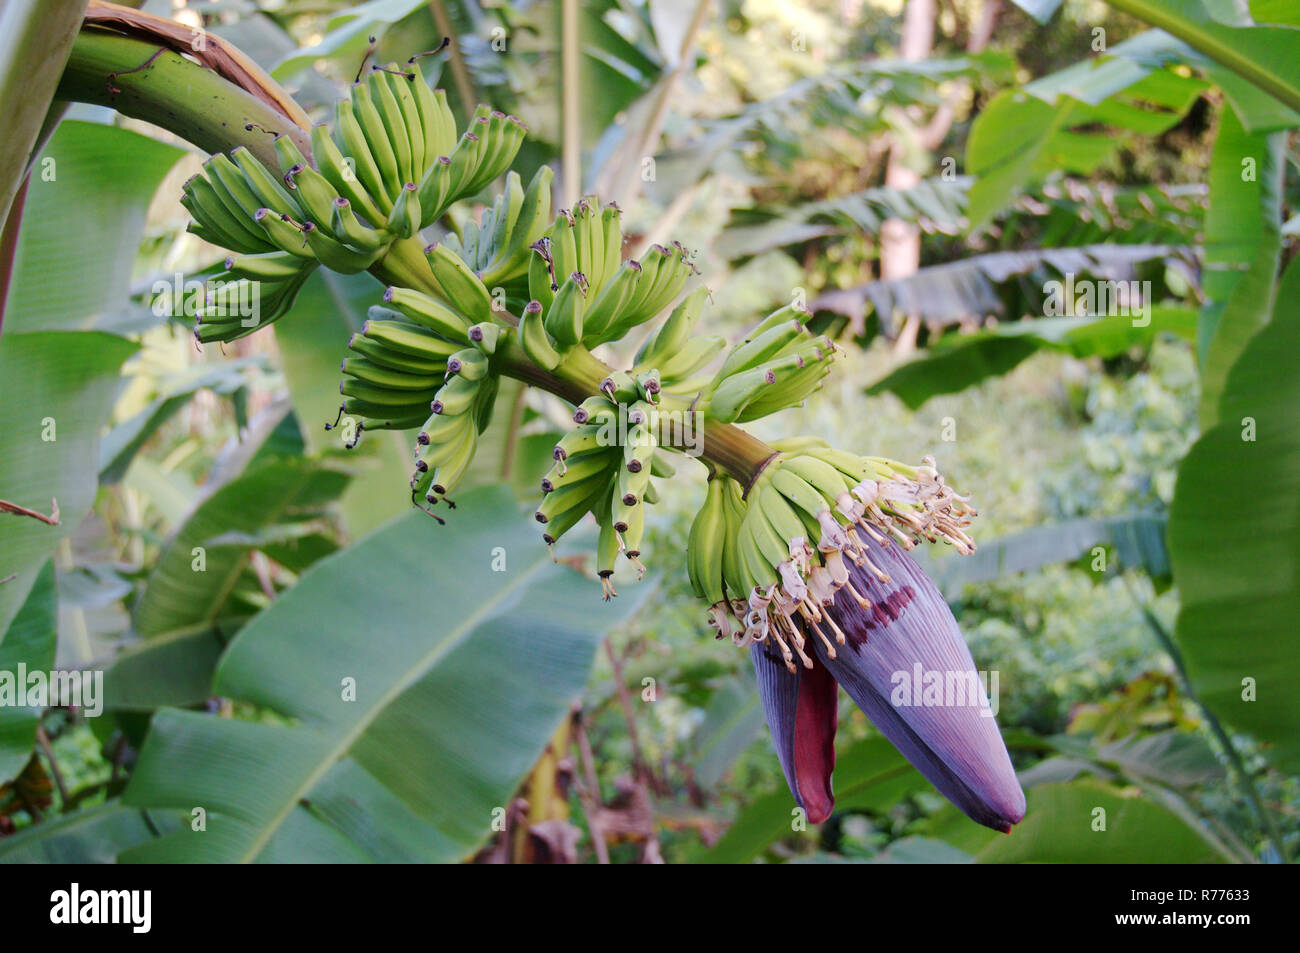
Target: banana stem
[
  {"x": 146, "y": 81},
  {"x": 579, "y": 376}
]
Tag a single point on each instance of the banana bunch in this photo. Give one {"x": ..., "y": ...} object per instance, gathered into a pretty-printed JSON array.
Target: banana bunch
[
  {"x": 585, "y": 291},
  {"x": 250, "y": 291},
  {"x": 604, "y": 466},
  {"x": 776, "y": 366},
  {"x": 393, "y": 370},
  {"x": 768, "y": 561},
  {"x": 459, "y": 412},
  {"x": 768, "y": 557},
  {"x": 392, "y": 167},
  {"x": 675, "y": 352},
  {"x": 497, "y": 246}
]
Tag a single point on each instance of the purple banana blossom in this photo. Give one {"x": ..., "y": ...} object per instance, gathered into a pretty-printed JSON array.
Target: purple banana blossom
[{"x": 952, "y": 741}]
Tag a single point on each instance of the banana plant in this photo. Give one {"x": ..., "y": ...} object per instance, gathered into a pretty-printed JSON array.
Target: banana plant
[{"x": 800, "y": 550}]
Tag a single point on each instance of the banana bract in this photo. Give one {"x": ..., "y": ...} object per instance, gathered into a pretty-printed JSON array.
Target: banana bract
[{"x": 804, "y": 562}]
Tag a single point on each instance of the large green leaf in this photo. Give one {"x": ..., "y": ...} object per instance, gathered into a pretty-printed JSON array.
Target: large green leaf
[
  {"x": 35, "y": 39},
  {"x": 958, "y": 361},
  {"x": 1062, "y": 826},
  {"x": 30, "y": 641},
  {"x": 267, "y": 503},
  {"x": 466, "y": 645},
  {"x": 1275, "y": 11},
  {"x": 1266, "y": 56},
  {"x": 1094, "y": 80},
  {"x": 346, "y": 33},
  {"x": 1174, "y": 758},
  {"x": 1234, "y": 539},
  {"x": 92, "y": 836},
  {"x": 174, "y": 669},
  {"x": 1018, "y": 139},
  {"x": 59, "y": 385},
  {"x": 1243, "y": 243},
  {"x": 85, "y": 216},
  {"x": 501, "y": 448},
  {"x": 189, "y": 610}
]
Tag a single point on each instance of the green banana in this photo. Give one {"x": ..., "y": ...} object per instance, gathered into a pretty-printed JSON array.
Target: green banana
[
  {"x": 534, "y": 339},
  {"x": 533, "y": 218},
  {"x": 348, "y": 228},
  {"x": 365, "y": 167},
  {"x": 567, "y": 511},
  {"x": 264, "y": 185},
  {"x": 404, "y": 220},
  {"x": 289, "y": 237},
  {"x": 219, "y": 210},
  {"x": 577, "y": 495},
  {"x": 377, "y": 137},
  {"x": 394, "y": 123},
  {"x": 430, "y": 312},
  {"x": 470, "y": 363},
  {"x": 341, "y": 173},
  {"x": 336, "y": 256},
  {"x": 386, "y": 377},
  {"x": 408, "y": 338},
  {"x": 823, "y": 477},
  {"x": 563, "y": 320},
  {"x": 695, "y": 354},
  {"x": 580, "y": 468},
  {"x": 757, "y": 349},
  {"x": 597, "y": 411},
  {"x": 463, "y": 287},
  {"x": 455, "y": 397},
  {"x": 486, "y": 336},
  {"x": 541, "y": 272},
  {"x": 675, "y": 332},
  {"x": 237, "y": 192},
  {"x": 620, "y": 387},
  {"x": 384, "y": 396},
  {"x": 705, "y": 542},
  {"x": 268, "y": 266},
  {"x": 215, "y": 223},
  {"x": 733, "y": 569},
  {"x": 799, "y": 491},
  {"x": 564, "y": 248},
  {"x": 585, "y": 438}
]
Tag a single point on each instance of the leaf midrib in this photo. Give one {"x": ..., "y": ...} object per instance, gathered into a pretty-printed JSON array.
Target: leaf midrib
[{"x": 349, "y": 737}]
